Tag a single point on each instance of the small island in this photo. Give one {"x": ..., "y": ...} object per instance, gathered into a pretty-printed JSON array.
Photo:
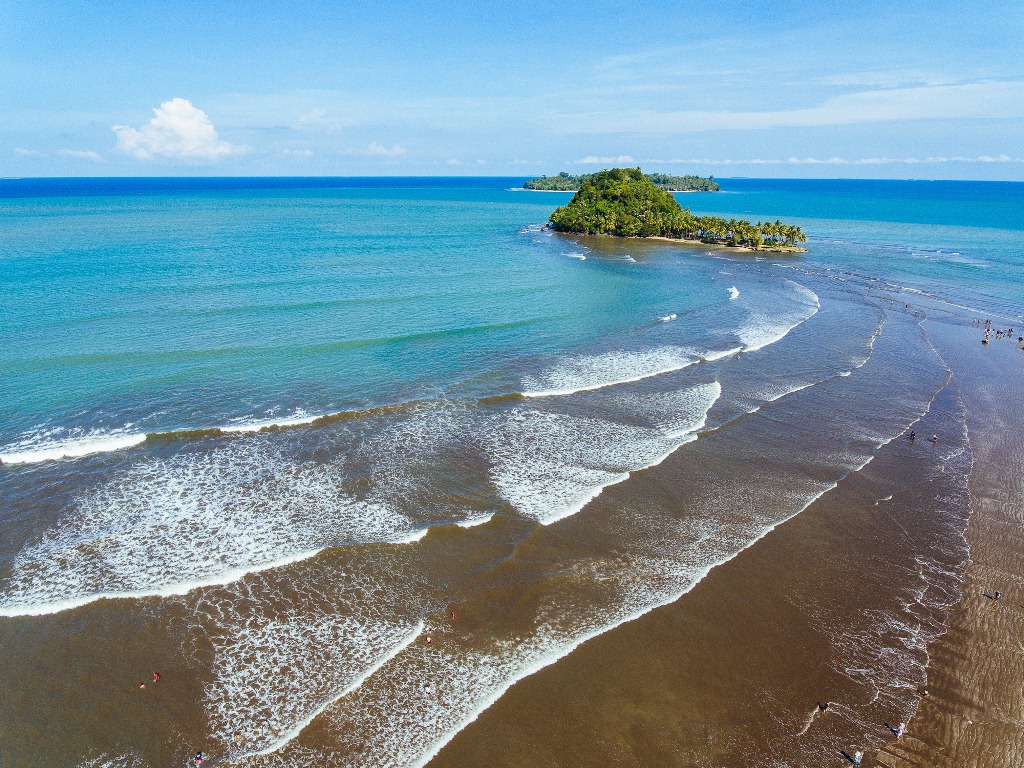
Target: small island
[
  {"x": 623, "y": 202},
  {"x": 563, "y": 182}
]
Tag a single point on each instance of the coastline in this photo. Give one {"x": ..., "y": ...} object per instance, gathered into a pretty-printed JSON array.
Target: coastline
[
  {"x": 973, "y": 714},
  {"x": 691, "y": 685},
  {"x": 700, "y": 243},
  {"x": 574, "y": 191}
]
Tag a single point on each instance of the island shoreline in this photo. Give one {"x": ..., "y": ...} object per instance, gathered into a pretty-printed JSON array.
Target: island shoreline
[{"x": 692, "y": 242}]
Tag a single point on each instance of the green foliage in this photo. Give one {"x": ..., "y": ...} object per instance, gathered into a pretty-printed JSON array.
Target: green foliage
[
  {"x": 626, "y": 203},
  {"x": 563, "y": 182}
]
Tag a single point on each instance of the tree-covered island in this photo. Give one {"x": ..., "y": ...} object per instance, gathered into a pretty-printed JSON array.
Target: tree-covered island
[
  {"x": 623, "y": 202},
  {"x": 563, "y": 182}
]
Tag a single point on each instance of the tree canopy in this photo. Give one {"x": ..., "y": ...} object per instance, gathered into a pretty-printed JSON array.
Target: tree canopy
[
  {"x": 625, "y": 203},
  {"x": 563, "y": 182}
]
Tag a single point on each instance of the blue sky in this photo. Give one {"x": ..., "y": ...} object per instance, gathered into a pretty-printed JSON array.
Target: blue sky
[{"x": 811, "y": 89}]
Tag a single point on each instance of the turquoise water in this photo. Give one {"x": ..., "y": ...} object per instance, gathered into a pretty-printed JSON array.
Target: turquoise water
[{"x": 138, "y": 306}]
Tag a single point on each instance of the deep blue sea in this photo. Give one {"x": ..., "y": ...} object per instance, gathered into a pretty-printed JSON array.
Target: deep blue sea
[{"x": 266, "y": 433}]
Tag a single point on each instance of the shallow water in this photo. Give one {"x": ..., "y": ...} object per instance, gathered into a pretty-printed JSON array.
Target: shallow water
[{"x": 269, "y": 438}]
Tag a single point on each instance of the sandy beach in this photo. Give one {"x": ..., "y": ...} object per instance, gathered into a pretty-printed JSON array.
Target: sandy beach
[
  {"x": 973, "y": 714},
  {"x": 734, "y": 673}
]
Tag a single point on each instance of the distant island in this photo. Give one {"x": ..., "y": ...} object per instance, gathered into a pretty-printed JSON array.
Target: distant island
[
  {"x": 563, "y": 182},
  {"x": 623, "y": 202}
]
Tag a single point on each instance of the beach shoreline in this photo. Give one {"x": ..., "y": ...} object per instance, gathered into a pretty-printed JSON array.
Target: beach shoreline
[
  {"x": 684, "y": 704},
  {"x": 783, "y": 249},
  {"x": 972, "y": 714}
]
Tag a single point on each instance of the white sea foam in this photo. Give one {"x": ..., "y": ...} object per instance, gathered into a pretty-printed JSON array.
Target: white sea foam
[
  {"x": 667, "y": 318},
  {"x": 168, "y": 526},
  {"x": 327, "y": 657},
  {"x": 763, "y": 328},
  {"x": 472, "y": 522},
  {"x": 298, "y": 418},
  {"x": 718, "y": 354},
  {"x": 584, "y": 373},
  {"x": 549, "y": 465},
  {"x": 734, "y": 293},
  {"x": 105, "y": 760},
  {"x": 55, "y": 444},
  {"x": 58, "y": 444}
]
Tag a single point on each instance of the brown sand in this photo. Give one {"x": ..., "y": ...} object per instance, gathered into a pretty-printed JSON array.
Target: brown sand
[
  {"x": 731, "y": 673},
  {"x": 974, "y": 712}
]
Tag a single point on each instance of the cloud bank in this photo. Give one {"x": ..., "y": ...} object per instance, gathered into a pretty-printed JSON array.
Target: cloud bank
[
  {"x": 177, "y": 130},
  {"x": 982, "y": 100},
  {"x": 83, "y": 154},
  {"x": 374, "y": 148},
  {"x": 595, "y": 160},
  {"x": 843, "y": 161}
]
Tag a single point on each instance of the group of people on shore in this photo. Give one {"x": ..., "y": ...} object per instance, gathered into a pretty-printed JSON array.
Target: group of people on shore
[{"x": 997, "y": 333}]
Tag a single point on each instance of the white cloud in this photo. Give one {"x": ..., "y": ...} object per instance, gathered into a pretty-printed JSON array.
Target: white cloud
[
  {"x": 982, "y": 100},
  {"x": 594, "y": 160},
  {"x": 454, "y": 161},
  {"x": 318, "y": 120},
  {"x": 373, "y": 148},
  {"x": 842, "y": 161},
  {"x": 83, "y": 154},
  {"x": 28, "y": 152},
  {"x": 177, "y": 130},
  {"x": 303, "y": 154}
]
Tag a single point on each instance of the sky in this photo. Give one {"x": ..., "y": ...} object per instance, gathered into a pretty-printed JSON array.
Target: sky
[{"x": 818, "y": 89}]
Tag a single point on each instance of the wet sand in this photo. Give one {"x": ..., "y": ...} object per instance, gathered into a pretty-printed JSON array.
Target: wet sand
[
  {"x": 974, "y": 712},
  {"x": 835, "y": 605}
]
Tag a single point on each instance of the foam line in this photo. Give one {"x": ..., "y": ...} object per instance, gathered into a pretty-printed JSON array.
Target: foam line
[
  {"x": 46, "y": 609},
  {"x": 256, "y": 426},
  {"x": 72, "y": 448},
  {"x": 590, "y": 455},
  {"x": 598, "y": 372},
  {"x": 472, "y": 522},
  {"x": 709, "y": 357},
  {"x": 302, "y": 724},
  {"x": 733, "y": 293}
]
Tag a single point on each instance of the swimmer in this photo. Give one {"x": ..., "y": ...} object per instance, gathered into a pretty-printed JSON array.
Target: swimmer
[{"x": 901, "y": 730}]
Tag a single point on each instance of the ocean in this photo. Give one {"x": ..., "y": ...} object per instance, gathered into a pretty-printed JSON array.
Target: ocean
[{"x": 337, "y": 456}]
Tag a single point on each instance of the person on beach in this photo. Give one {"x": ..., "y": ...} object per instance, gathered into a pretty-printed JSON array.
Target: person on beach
[
  {"x": 913, "y": 435},
  {"x": 858, "y": 756},
  {"x": 935, "y": 438},
  {"x": 997, "y": 595},
  {"x": 901, "y": 730},
  {"x": 199, "y": 758},
  {"x": 156, "y": 677},
  {"x": 823, "y": 708}
]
